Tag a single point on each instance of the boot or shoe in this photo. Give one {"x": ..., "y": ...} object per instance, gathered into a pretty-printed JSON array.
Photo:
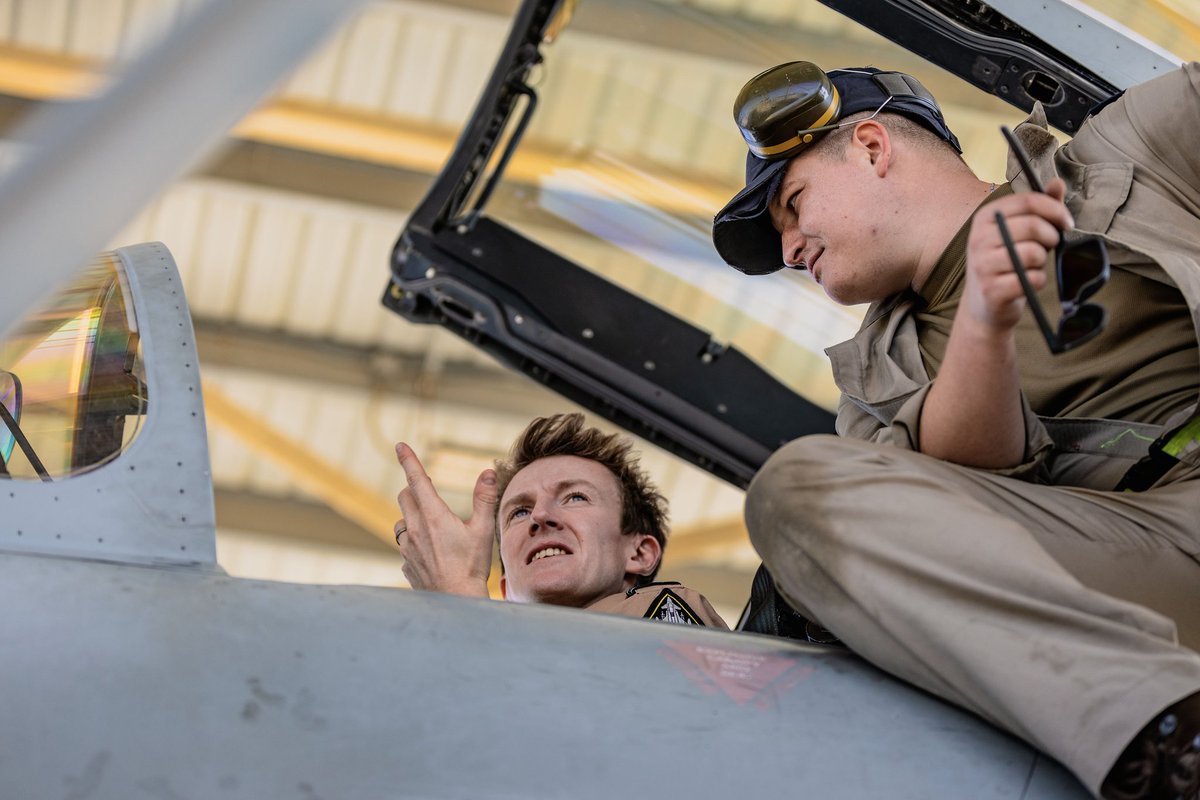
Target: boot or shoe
[
  {"x": 767, "y": 612},
  {"x": 1163, "y": 761}
]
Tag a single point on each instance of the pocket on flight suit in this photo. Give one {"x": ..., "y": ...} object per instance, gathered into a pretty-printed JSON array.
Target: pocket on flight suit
[{"x": 1094, "y": 191}]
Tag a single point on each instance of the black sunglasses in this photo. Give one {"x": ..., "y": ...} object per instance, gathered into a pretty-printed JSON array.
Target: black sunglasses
[{"x": 1081, "y": 268}]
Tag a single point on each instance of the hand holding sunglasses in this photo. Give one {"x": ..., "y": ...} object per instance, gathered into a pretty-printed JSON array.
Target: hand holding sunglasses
[{"x": 1081, "y": 268}]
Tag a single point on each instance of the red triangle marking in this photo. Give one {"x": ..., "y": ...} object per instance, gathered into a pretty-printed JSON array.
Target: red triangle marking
[{"x": 743, "y": 676}]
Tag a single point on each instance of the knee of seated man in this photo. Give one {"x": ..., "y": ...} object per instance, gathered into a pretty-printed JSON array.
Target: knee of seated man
[{"x": 785, "y": 488}]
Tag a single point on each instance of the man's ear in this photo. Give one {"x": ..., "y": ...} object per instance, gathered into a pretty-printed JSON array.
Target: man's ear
[
  {"x": 873, "y": 140},
  {"x": 644, "y": 555}
]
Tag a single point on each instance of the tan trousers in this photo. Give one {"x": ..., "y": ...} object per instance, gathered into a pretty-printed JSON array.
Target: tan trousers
[{"x": 1068, "y": 617}]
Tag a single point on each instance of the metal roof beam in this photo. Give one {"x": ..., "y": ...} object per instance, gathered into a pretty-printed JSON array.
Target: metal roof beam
[
  {"x": 455, "y": 384},
  {"x": 294, "y": 519}
]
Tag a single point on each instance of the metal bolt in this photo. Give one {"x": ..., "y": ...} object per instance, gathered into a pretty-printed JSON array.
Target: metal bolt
[
  {"x": 588, "y": 333},
  {"x": 429, "y": 273},
  {"x": 1167, "y": 725},
  {"x": 649, "y": 365},
  {"x": 519, "y": 319},
  {"x": 722, "y": 408}
]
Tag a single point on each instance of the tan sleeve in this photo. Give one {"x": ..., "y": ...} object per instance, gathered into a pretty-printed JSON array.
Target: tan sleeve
[
  {"x": 906, "y": 433},
  {"x": 1153, "y": 125},
  {"x": 663, "y": 603}
]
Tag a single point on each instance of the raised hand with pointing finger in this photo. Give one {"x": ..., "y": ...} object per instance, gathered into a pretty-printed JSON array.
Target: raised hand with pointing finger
[{"x": 442, "y": 553}]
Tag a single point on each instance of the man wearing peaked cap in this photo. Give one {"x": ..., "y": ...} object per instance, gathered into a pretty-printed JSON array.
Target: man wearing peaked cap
[
  {"x": 1010, "y": 514},
  {"x": 578, "y": 522},
  {"x": 770, "y": 111}
]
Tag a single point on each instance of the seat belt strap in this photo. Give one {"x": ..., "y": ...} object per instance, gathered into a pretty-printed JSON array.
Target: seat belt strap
[{"x": 1164, "y": 454}]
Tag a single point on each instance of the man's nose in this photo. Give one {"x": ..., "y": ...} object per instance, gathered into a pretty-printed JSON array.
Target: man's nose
[
  {"x": 543, "y": 516},
  {"x": 793, "y": 247}
]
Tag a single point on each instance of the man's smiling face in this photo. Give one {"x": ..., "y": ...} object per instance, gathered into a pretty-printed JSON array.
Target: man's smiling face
[
  {"x": 838, "y": 218},
  {"x": 560, "y": 534}
]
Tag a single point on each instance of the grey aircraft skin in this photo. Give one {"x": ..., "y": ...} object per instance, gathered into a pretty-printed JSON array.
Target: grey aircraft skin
[{"x": 132, "y": 666}]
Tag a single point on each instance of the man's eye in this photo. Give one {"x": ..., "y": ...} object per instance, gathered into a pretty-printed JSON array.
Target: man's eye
[
  {"x": 791, "y": 203},
  {"x": 576, "y": 496},
  {"x": 517, "y": 513}
]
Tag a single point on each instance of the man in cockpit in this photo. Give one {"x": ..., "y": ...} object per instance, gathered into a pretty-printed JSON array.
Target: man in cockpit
[
  {"x": 578, "y": 523},
  {"x": 1010, "y": 516}
]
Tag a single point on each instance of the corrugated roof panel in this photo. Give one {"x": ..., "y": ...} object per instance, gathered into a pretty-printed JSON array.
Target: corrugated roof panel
[
  {"x": 721, "y": 502},
  {"x": 506, "y": 428},
  {"x": 233, "y": 462},
  {"x": 856, "y": 33},
  {"x": 718, "y": 6},
  {"x": 670, "y": 137},
  {"x": 43, "y": 27},
  {"x": 387, "y": 422},
  {"x": 177, "y": 220},
  {"x": 423, "y": 51},
  {"x": 318, "y": 273},
  {"x": 818, "y": 18},
  {"x": 245, "y": 554},
  {"x": 418, "y": 431},
  {"x": 7, "y": 19},
  {"x": 460, "y": 351},
  {"x": 477, "y": 431},
  {"x": 313, "y": 81},
  {"x": 984, "y": 148},
  {"x": 274, "y": 249},
  {"x": 769, "y": 11},
  {"x": 140, "y": 229},
  {"x": 327, "y": 420},
  {"x": 219, "y": 267},
  {"x": 575, "y": 97},
  {"x": 94, "y": 29},
  {"x": 444, "y": 57},
  {"x": 145, "y": 22},
  {"x": 405, "y": 336},
  {"x": 360, "y": 316},
  {"x": 366, "y": 65},
  {"x": 455, "y": 473},
  {"x": 291, "y": 408},
  {"x": 369, "y": 457},
  {"x": 474, "y": 52},
  {"x": 270, "y": 258},
  {"x": 621, "y": 125},
  {"x": 684, "y": 494},
  {"x": 333, "y": 428},
  {"x": 719, "y": 150}
]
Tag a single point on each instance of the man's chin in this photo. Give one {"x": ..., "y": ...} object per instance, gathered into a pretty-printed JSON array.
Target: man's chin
[
  {"x": 840, "y": 294},
  {"x": 846, "y": 297},
  {"x": 559, "y": 589}
]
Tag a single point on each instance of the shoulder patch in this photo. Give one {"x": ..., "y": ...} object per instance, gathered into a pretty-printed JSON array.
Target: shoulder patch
[{"x": 670, "y": 607}]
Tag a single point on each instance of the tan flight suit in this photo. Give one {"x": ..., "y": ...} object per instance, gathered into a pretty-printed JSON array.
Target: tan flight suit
[
  {"x": 1036, "y": 597},
  {"x": 664, "y": 601}
]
